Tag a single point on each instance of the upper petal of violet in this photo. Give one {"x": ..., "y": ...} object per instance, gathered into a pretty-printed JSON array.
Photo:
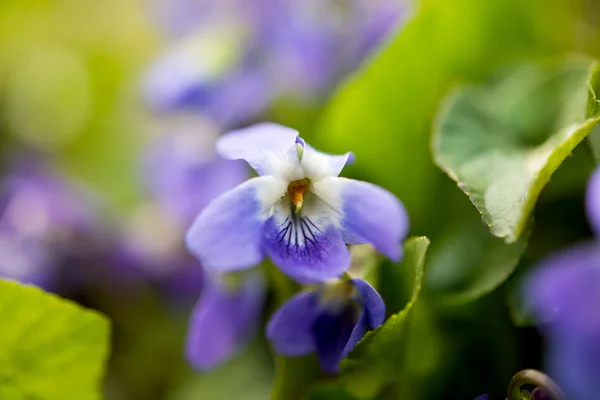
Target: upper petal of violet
[
  {"x": 269, "y": 148},
  {"x": 317, "y": 165},
  {"x": 369, "y": 214},
  {"x": 227, "y": 235}
]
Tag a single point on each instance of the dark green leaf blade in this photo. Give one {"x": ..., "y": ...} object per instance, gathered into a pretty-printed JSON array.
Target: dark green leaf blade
[
  {"x": 501, "y": 141},
  {"x": 376, "y": 359},
  {"x": 51, "y": 348}
]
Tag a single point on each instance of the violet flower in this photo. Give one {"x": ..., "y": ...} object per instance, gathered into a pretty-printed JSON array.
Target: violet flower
[
  {"x": 231, "y": 59},
  {"x": 183, "y": 174},
  {"x": 298, "y": 211},
  {"x": 224, "y": 318},
  {"x": 564, "y": 293},
  {"x": 41, "y": 218},
  {"x": 329, "y": 321}
]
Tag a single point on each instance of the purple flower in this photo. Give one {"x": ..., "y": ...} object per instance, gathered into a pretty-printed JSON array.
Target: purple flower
[
  {"x": 183, "y": 174},
  {"x": 225, "y": 317},
  {"x": 298, "y": 211},
  {"x": 329, "y": 321},
  {"x": 41, "y": 216},
  {"x": 564, "y": 293},
  {"x": 232, "y": 58},
  {"x": 482, "y": 397}
]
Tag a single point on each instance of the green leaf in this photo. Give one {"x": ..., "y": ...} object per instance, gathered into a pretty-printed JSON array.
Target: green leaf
[
  {"x": 467, "y": 262},
  {"x": 384, "y": 113},
  {"x": 51, "y": 348},
  {"x": 248, "y": 376},
  {"x": 378, "y": 357},
  {"x": 329, "y": 391},
  {"x": 501, "y": 141}
]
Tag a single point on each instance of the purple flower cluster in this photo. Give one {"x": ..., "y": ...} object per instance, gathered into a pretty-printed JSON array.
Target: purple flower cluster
[
  {"x": 301, "y": 215},
  {"x": 230, "y": 59},
  {"x": 564, "y": 293},
  {"x": 42, "y": 219}
]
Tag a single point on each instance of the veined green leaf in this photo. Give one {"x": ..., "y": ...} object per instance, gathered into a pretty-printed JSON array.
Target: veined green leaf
[
  {"x": 501, "y": 141},
  {"x": 51, "y": 349}
]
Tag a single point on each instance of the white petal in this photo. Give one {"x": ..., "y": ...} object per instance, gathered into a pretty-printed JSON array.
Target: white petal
[{"x": 269, "y": 148}]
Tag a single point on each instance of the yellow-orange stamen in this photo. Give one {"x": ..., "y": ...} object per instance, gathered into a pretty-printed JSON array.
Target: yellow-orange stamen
[{"x": 296, "y": 191}]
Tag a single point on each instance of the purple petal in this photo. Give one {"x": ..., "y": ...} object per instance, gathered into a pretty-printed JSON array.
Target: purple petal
[
  {"x": 574, "y": 362},
  {"x": 593, "y": 201},
  {"x": 241, "y": 97},
  {"x": 290, "y": 327},
  {"x": 222, "y": 321},
  {"x": 227, "y": 235},
  {"x": 307, "y": 249},
  {"x": 482, "y": 397},
  {"x": 332, "y": 332},
  {"x": 183, "y": 179},
  {"x": 564, "y": 293},
  {"x": 564, "y": 290},
  {"x": 359, "y": 331},
  {"x": 175, "y": 79},
  {"x": 264, "y": 146},
  {"x": 370, "y": 214},
  {"x": 372, "y": 303}
]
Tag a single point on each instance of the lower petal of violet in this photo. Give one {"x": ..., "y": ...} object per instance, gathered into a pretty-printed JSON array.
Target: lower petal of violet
[
  {"x": 306, "y": 250},
  {"x": 290, "y": 327},
  {"x": 332, "y": 332},
  {"x": 223, "y": 320}
]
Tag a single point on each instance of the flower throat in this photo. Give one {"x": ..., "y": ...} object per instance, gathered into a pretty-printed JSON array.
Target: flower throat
[{"x": 296, "y": 191}]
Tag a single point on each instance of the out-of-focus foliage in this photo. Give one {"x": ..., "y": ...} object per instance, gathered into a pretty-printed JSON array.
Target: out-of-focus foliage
[
  {"x": 393, "y": 100},
  {"x": 69, "y": 73},
  {"x": 51, "y": 348},
  {"x": 247, "y": 377}
]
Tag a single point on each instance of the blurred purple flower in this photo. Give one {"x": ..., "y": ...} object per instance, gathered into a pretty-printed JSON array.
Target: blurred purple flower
[
  {"x": 41, "y": 219},
  {"x": 183, "y": 174},
  {"x": 224, "y": 318},
  {"x": 232, "y": 58},
  {"x": 329, "y": 321},
  {"x": 482, "y": 397},
  {"x": 564, "y": 293},
  {"x": 298, "y": 211}
]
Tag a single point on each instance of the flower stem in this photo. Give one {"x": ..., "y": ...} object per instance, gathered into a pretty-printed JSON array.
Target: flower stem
[{"x": 534, "y": 378}]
